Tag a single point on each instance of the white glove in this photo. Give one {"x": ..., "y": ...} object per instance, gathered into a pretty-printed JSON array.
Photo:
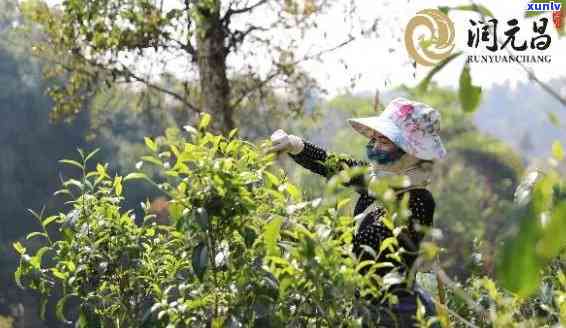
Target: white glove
[{"x": 283, "y": 142}]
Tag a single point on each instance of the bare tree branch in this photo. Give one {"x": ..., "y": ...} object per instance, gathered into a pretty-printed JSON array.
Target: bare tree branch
[
  {"x": 322, "y": 52},
  {"x": 127, "y": 73},
  {"x": 188, "y": 48},
  {"x": 237, "y": 37},
  {"x": 258, "y": 86},
  {"x": 543, "y": 85},
  {"x": 279, "y": 70},
  {"x": 124, "y": 71},
  {"x": 231, "y": 11}
]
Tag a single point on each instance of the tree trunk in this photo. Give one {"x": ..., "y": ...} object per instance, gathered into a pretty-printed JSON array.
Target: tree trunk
[{"x": 211, "y": 56}]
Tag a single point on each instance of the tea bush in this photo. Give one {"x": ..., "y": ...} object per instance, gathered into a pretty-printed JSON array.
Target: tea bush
[{"x": 242, "y": 248}]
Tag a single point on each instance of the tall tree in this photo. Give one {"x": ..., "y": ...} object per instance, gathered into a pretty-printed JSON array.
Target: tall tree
[{"x": 212, "y": 50}]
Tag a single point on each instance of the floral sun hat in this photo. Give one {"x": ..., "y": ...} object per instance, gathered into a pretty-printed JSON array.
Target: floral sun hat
[{"x": 412, "y": 126}]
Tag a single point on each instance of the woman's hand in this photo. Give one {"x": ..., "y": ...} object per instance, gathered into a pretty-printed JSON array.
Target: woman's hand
[{"x": 286, "y": 143}]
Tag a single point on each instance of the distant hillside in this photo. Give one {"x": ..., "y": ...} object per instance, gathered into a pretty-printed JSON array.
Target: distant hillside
[{"x": 519, "y": 116}]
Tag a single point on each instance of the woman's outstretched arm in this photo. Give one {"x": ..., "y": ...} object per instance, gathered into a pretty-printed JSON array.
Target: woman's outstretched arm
[{"x": 327, "y": 164}]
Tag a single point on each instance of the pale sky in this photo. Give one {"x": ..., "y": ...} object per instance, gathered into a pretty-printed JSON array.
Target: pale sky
[{"x": 377, "y": 66}]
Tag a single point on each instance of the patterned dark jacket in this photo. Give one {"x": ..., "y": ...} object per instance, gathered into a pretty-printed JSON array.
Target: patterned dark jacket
[{"x": 372, "y": 231}]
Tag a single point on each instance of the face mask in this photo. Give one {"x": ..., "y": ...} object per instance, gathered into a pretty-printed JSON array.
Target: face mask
[{"x": 382, "y": 156}]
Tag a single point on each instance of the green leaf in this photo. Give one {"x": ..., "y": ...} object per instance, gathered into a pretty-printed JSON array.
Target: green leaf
[
  {"x": 18, "y": 277},
  {"x": 423, "y": 85},
  {"x": 101, "y": 170},
  {"x": 262, "y": 306},
  {"x": 557, "y": 150},
  {"x": 118, "y": 185},
  {"x": 150, "y": 144},
  {"x": 91, "y": 155},
  {"x": 201, "y": 217},
  {"x": 370, "y": 251},
  {"x": 19, "y": 247},
  {"x": 72, "y": 163},
  {"x": 152, "y": 159},
  {"x": 343, "y": 203},
  {"x": 58, "y": 274},
  {"x": 36, "y": 259},
  {"x": 136, "y": 176},
  {"x": 554, "y": 233},
  {"x": 388, "y": 243},
  {"x": 190, "y": 129},
  {"x": 49, "y": 220},
  {"x": 363, "y": 264},
  {"x": 553, "y": 118},
  {"x": 271, "y": 235},
  {"x": 249, "y": 235},
  {"x": 36, "y": 215},
  {"x": 200, "y": 260},
  {"x": 273, "y": 180},
  {"x": 519, "y": 256},
  {"x": 294, "y": 192},
  {"x": 469, "y": 94},
  {"x": 36, "y": 234},
  {"x": 73, "y": 182},
  {"x": 62, "y": 192},
  {"x": 204, "y": 121},
  {"x": 60, "y": 308}
]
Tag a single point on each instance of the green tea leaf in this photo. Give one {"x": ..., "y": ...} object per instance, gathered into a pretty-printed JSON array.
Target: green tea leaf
[
  {"x": 204, "y": 121},
  {"x": 554, "y": 233},
  {"x": 519, "y": 255},
  {"x": 36, "y": 259},
  {"x": 18, "y": 277},
  {"x": 72, "y": 163},
  {"x": 136, "y": 176},
  {"x": 19, "y": 247},
  {"x": 294, "y": 192},
  {"x": 92, "y": 154},
  {"x": 201, "y": 217},
  {"x": 469, "y": 94},
  {"x": 60, "y": 308},
  {"x": 36, "y": 234},
  {"x": 273, "y": 180},
  {"x": 271, "y": 235},
  {"x": 557, "y": 150},
  {"x": 150, "y": 144},
  {"x": 343, "y": 203},
  {"x": 152, "y": 160},
  {"x": 49, "y": 220},
  {"x": 200, "y": 260},
  {"x": 249, "y": 235},
  {"x": 118, "y": 185},
  {"x": 553, "y": 118}
]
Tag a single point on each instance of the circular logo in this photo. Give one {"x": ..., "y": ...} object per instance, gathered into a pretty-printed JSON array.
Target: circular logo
[{"x": 435, "y": 45}]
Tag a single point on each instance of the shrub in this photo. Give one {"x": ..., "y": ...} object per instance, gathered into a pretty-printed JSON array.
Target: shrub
[{"x": 242, "y": 247}]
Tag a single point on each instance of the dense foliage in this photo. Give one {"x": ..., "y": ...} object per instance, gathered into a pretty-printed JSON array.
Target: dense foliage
[{"x": 241, "y": 246}]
